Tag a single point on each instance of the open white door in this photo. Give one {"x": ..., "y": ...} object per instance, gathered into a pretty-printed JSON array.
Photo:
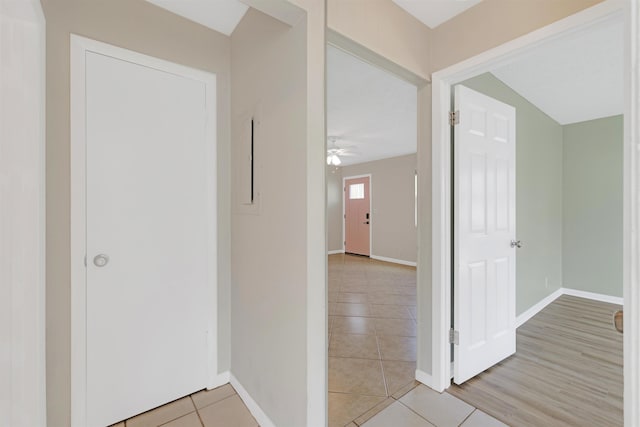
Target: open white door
[{"x": 484, "y": 229}]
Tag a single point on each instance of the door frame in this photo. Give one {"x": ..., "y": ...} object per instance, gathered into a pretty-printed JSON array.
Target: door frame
[
  {"x": 441, "y": 199},
  {"x": 344, "y": 210},
  {"x": 23, "y": 263},
  {"x": 79, "y": 47}
]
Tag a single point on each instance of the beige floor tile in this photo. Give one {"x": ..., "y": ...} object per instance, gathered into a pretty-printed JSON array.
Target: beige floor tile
[
  {"x": 374, "y": 411},
  {"x": 357, "y": 376},
  {"x": 354, "y": 287},
  {"x": 398, "y": 374},
  {"x": 228, "y": 412},
  {"x": 406, "y": 389},
  {"x": 353, "y": 297},
  {"x": 441, "y": 409},
  {"x": 349, "y": 309},
  {"x": 190, "y": 420},
  {"x": 357, "y": 346},
  {"x": 390, "y": 311},
  {"x": 397, "y": 415},
  {"x": 344, "y": 408},
  {"x": 398, "y": 327},
  {"x": 120, "y": 424},
  {"x": 397, "y": 348},
  {"x": 207, "y": 397},
  {"x": 480, "y": 419},
  {"x": 353, "y": 325},
  {"x": 163, "y": 414},
  {"x": 379, "y": 296}
]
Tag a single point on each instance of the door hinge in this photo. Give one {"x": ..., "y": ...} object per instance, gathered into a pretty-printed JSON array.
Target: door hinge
[
  {"x": 454, "y": 337},
  {"x": 454, "y": 118}
]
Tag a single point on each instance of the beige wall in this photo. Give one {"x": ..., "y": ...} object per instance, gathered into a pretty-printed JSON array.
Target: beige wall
[
  {"x": 385, "y": 28},
  {"x": 334, "y": 209},
  {"x": 139, "y": 26},
  {"x": 269, "y": 244},
  {"x": 393, "y": 231},
  {"x": 494, "y": 22}
]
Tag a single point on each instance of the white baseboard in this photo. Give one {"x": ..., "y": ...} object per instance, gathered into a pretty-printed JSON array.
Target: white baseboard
[
  {"x": 521, "y": 319},
  {"x": 338, "y": 251},
  {"x": 221, "y": 379},
  {"x": 593, "y": 296},
  {"x": 255, "y": 409},
  {"x": 393, "y": 260},
  {"x": 425, "y": 379},
  {"x": 537, "y": 308}
]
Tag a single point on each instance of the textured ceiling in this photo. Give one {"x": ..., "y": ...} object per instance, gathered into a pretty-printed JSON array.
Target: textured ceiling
[
  {"x": 434, "y": 12},
  {"x": 575, "y": 78},
  {"x": 372, "y": 113},
  {"x": 219, "y": 15}
]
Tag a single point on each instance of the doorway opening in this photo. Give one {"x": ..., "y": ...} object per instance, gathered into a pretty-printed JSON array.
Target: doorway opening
[
  {"x": 545, "y": 230},
  {"x": 357, "y": 215},
  {"x": 372, "y": 128}
]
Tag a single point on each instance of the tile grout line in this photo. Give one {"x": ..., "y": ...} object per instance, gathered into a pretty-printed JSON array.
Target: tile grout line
[
  {"x": 197, "y": 411},
  {"x": 468, "y": 416}
]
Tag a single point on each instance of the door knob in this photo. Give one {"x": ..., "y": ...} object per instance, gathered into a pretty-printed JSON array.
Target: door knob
[
  {"x": 516, "y": 244},
  {"x": 101, "y": 260},
  {"x": 366, "y": 222}
]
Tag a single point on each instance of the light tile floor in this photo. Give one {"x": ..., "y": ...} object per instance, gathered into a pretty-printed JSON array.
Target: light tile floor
[
  {"x": 372, "y": 348},
  {"x": 372, "y": 352},
  {"x": 220, "y": 407}
]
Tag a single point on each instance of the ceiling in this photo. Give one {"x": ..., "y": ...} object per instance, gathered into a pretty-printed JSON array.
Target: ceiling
[
  {"x": 574, "y": 78},
  {"x": 434, "y": 12},
  {"x": 371, "y": 113},
  {"x": 219, "y": 15},
  {"x": 224, "y": 15}
]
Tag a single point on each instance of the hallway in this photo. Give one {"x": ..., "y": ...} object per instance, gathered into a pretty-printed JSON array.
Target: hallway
[{"x": 372, "y": 336}]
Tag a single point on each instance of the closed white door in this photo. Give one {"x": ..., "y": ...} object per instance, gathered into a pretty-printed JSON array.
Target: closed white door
[
  {"x": 148, "y": 227},
  {"x": 484, "y": 228}
]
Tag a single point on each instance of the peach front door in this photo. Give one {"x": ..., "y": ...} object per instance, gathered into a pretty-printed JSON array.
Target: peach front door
[{"x": 357, "y": 217}]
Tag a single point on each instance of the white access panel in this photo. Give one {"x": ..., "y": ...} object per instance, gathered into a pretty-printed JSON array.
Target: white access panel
[
  {"x": 148, "y": 223},
  {"x": 484, "y": 227}
]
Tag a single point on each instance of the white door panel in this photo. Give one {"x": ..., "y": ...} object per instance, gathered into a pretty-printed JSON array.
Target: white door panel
[
  {"x": 484, "y": 225},
  {"x": 146, "y": 209}
]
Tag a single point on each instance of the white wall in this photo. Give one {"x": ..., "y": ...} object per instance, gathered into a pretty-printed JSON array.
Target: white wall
[
  {"x": 269, "y": 241},
  {"x": 22, "y": 327}
]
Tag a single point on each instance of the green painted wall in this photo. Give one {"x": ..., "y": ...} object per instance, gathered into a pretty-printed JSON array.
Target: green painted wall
[
  {"x": 592, "y": 208},
  {"x": 539, "y": 194}
]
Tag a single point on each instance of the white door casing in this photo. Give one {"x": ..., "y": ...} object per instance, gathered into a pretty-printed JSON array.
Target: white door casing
[
  {"x": 143, "y": 194},
  {"x": 484, "y": 226}
]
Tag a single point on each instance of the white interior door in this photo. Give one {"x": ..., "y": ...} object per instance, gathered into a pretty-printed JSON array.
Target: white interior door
[
  {"x": 149, "y": 220},
  {"x": 484, "y": 227}
]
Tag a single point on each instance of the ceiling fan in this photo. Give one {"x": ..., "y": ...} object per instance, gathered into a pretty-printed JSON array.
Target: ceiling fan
[{"x": 334, "y": 152}]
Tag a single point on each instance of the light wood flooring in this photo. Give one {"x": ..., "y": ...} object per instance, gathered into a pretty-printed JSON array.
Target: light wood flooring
[{"x": 567, "y": 370}]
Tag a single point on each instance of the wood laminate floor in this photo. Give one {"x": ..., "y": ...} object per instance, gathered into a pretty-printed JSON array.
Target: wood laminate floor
[{"x": 567, "y": 370}]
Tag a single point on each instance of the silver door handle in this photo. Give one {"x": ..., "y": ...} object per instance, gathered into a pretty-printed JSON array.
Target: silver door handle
[
  {"x": 516, "y": 244},
  {"x": 101, "y": 260}
]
